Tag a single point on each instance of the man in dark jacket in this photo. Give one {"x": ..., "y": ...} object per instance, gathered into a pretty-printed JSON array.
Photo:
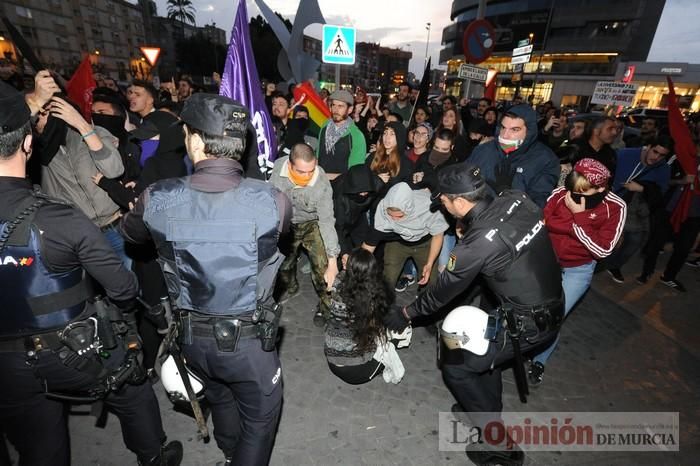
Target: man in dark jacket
[
  {"x": 516, "y": 159},
  {"x": 641, "y": 180},
  {"x": 596, "y": 143}
]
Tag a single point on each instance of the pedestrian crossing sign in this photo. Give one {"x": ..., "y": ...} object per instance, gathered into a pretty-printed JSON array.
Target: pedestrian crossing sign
[{"x": 338, "y": 45}]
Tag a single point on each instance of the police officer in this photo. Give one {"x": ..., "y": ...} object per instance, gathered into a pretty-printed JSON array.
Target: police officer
[
  {"x": 48, "y": 343},
  {"x": 216, "y": 234},
  {"x": 505, "y": 242}
]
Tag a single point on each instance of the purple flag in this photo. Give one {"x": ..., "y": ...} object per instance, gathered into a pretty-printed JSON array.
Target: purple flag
[{"x": 240, "y": 82}]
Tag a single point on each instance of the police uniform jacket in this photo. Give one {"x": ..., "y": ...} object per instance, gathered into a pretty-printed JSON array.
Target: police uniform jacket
[
  {"x": 507, "y": 243},
  {"x": 68, "y": 240}
]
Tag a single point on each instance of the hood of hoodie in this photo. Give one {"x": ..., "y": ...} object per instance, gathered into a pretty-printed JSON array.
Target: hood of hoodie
[
  {"x": 525, "y": 112},
  {"x": 416, "y": 208},
  {"x": 154, "y": 124},
  {"x": 359, "y": 179},
  {"x": 401, "y": 135},
  {"x": 171, "y": 142}
]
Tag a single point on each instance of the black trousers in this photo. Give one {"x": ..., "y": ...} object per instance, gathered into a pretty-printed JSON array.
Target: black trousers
[
  {"x": 358, "y": 374},
  {"x": 244, "y": 390},
  {"x": 469, "y": 378},
  {"x": 37, "y": 425},
  {"x": 682, "y": 244}
]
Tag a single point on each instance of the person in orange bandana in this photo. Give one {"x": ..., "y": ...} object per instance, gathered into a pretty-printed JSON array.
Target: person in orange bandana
[{"x": 313, "y": 226}]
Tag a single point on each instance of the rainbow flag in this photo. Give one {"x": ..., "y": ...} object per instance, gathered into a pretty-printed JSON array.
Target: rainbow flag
[{"x": 304, "y": 94}]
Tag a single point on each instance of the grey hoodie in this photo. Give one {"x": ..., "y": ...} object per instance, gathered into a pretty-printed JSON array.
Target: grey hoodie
[
  {"x": 69, "y": 175},
  {"x": 418, "y": 220}
]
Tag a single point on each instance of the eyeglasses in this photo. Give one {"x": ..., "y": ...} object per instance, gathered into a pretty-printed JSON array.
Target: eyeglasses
[{"x": 421, "y": 134}]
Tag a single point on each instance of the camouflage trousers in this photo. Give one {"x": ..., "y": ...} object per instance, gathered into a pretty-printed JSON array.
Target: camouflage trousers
[{"x": 307, "y": 236}]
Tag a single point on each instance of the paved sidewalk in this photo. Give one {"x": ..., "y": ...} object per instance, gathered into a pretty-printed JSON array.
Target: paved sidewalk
[{"x": 609, "y": 359}]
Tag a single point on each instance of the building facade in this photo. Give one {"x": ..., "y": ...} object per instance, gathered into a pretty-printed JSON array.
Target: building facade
[
  {"x": 575, "y": 44},
  {"x": 376, "y": 68},
  {"x": 111, "y": 32}
]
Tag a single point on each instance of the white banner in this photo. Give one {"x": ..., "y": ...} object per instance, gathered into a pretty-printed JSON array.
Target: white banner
[
  {"x": 614, "y": 93},
  {"x": 474, "y": 73}
]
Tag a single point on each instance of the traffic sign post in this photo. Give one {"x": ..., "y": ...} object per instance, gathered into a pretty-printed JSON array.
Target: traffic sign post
[
  {"x": 338, "y": 45},
  {"x": 521, "y": 55},
  {"x": 478, "y": 41}
]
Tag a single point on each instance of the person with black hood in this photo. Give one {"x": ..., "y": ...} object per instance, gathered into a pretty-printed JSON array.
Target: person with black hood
[
  {"x": 516, "y": 159},
  {"x": 166, "y": 162},
  {"x": 108, "y": 112},
  {"x": 352, "y": 198}
]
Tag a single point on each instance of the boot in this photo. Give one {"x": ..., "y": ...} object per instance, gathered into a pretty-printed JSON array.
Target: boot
[{"x": 170, "y": 455}]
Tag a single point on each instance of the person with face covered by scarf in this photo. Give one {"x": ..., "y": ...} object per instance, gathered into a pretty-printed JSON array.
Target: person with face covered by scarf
[
  {"x": 71, "y": 152},
  {"x": 585, "y": 223},
  {"x": 166, "y": 162},
  {"x": 109, "y": 113},
  {"x": 302, "y": 179},
  {"x": 352, "y": 199},
  {"x": 515, "y": 159},
  {"x": 440, "y": 156}
]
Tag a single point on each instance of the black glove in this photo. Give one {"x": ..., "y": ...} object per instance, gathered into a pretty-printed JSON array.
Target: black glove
[
  {"x": 395, "y": 319},
  {"x": 503, "y": 177}
]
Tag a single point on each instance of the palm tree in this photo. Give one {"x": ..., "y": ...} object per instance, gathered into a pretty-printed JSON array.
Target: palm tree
[{"x": 181, "y": 10}]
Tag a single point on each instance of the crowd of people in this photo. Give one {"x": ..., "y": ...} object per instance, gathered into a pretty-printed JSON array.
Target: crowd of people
[{"x": 385, "y": 196}]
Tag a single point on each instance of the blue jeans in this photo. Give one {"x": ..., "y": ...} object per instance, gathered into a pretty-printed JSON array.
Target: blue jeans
[
  {"x": 575, "y": 281},
  {"x": 117, "y": 242},
  {"x": 448, "y": 243}
]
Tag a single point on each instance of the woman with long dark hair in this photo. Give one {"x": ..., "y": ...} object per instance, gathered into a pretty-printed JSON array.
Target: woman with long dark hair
[{"x": 359, "y": 300}]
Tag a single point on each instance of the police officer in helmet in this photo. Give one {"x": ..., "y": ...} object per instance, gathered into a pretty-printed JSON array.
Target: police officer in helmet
[
  {"x": 216, "y": 235},
  {"x": 505, "y": 242},
  {"x": 53, "y": 345}
]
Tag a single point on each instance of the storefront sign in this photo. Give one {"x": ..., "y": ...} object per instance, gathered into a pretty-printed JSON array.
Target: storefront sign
[
  {"x": 672, "y": 70},
  {"x": 614, "y": 93}
]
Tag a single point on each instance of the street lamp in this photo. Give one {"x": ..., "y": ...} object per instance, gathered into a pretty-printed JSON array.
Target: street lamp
[{"x": 427, "y": 27}]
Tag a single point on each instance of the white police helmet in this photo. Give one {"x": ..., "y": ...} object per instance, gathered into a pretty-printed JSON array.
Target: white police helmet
[
  {"x": 465, "y": 328},
  {"x": 173, "y": 384}
]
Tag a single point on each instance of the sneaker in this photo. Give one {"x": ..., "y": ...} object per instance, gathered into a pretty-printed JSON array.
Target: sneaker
[
  {"x": 695, "y": 263},
  {"x": 643, "y": 279},
  {"x": 404, "y": 282},
  {"x": 319, "y": 319},
  {"x": 616, "y": 275},
  {"x": 535, "y": 373},
  {"x": 674, "y": 284}
]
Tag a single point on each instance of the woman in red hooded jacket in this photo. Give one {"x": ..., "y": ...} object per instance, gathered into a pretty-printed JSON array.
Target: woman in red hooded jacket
[{"x": 585, "y": 222}]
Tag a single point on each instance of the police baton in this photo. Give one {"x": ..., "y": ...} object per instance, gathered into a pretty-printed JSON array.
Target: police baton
[
  {"x": 513, "y": 330},
  {"x": 171, "y": 345}
]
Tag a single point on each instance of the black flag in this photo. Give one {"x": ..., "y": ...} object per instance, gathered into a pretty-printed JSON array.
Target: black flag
[{"x": 423, "y": 90}]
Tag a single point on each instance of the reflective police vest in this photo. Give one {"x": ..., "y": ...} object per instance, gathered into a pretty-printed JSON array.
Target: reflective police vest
[
  {"x": 34, "y": 299},
  {"x": 533, "y": 277},
  {"x": 211, "y": 245}
]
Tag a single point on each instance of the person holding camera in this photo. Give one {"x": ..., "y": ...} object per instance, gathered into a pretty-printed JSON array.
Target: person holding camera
[{"x": 555, "y": 131}]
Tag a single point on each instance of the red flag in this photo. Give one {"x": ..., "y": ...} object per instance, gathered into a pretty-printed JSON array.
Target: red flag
[
  {"x": 686, "y": 154},
  {"x": 80, "y": 87}
]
